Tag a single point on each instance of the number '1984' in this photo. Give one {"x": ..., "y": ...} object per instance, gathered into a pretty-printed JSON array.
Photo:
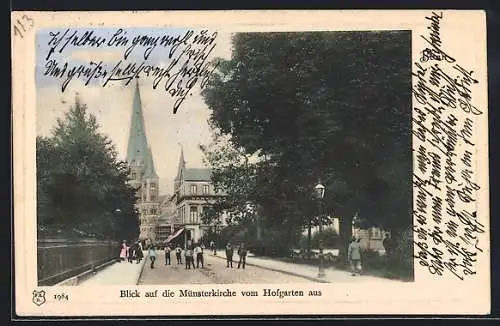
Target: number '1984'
[{"x": 61, "y": 297}]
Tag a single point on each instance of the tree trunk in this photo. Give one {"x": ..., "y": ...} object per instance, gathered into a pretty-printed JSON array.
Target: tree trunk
[
  {"x": 309, "y": 239},
  {"x": 345, "y": 226}
]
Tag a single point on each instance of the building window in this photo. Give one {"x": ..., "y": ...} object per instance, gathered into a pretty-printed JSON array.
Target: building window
[
  {"x": 193, "y": 189},
  {"x": 153, "y": 197},
  {"x": 206, "y": 189},
  {"x": 132, "y": 175},
  {"x": 204, "y": 209},
  {"x": 152, "y": 185},
  {"x": 193, "y": 214}
]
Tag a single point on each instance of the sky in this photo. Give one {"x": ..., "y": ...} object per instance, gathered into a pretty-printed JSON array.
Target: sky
[{"x": 112, "y": 104}]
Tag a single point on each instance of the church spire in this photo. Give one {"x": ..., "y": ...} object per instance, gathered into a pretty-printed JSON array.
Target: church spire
[
  {"x": 181, "y": 166},
  {"x": 137, "y": 151},
  {"x": 150, "y": 172},
  {"x": 77, "y": 99}
]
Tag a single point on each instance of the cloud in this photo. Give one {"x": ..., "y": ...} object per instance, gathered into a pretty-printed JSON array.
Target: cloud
[
  {"x": 112, "y": 106},
  {"x": 96, "y": 55}
]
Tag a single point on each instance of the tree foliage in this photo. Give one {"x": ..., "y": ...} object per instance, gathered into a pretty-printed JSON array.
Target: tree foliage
[
  {"x": 81, "y": 184},
  {"x": 334, "y": 106}
]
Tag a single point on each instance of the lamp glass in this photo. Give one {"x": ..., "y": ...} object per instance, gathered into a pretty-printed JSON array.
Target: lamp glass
[{"x": 320, "y": 190}]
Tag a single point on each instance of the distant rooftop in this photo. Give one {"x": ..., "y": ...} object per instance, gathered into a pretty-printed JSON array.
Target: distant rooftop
[{"x": 197, "y": 174}]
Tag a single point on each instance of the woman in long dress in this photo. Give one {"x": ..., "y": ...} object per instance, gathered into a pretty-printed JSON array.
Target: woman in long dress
[{"x": 123, "y": 251}]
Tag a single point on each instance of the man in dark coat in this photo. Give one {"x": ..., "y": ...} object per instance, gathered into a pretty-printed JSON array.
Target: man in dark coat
[
  {"x": 229, "y": 255},
  {"x": 242, "y": 252}
]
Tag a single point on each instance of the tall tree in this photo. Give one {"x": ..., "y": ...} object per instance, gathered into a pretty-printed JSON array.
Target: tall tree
[
  {"x": 334, "y": 106},
  {"x": 81, "y": 183}
]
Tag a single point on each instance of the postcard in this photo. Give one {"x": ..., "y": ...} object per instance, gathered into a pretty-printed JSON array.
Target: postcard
[{"x": 226, "y": 163}]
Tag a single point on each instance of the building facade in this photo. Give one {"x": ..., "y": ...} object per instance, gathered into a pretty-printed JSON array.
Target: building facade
[
  {"x": 143, "y": 175},
  {"x": 167, "y": 221},
  {"x": 193, "y": 195}
]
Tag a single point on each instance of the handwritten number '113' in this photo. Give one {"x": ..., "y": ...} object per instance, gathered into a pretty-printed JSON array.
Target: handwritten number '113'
[{"x": 22, "y": 25}]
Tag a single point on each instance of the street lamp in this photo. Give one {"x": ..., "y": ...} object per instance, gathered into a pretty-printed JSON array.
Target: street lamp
[
  {"x": 320, "y": 193},
  {"x": 117, "y": 212}
]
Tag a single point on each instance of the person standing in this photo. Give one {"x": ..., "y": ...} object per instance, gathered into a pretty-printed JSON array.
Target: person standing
[
  {"x": 138, "y": 252},
  {"x": 198, "y": 251},
  {"x": 229, "y": 255},
  {"x": 130, "y": 253},
  {"x": 178, "y": 254},
  {"x": 167, "y": 254},
  {"x": 212, "y": 247},
  {"x": 188, "y": 256},
  {"x": 123, "y": 251},
  {"x": 387, "y": 243},
  {"x": 152, "y": 255},
  {"x": 354, "y": 256},
  {"x": 242, "y": 253}
]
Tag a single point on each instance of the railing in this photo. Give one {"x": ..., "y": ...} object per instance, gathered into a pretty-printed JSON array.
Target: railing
[{"x": 60, "y": 259}]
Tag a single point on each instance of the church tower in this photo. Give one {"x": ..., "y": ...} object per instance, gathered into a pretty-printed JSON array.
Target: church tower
[
  {"x": 143, "y": 175},
  {"x": 181, "y": 167}
]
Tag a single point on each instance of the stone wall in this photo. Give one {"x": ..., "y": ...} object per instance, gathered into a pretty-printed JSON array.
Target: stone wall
[{"x": 61, "y": 259}]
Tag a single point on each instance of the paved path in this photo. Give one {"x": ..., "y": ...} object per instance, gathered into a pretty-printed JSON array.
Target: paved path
[
  {"x": 123, "y": 273},
  {"x": 214, "y": 272},
  {"x": 258, "y": 270},
  {"x": 307, "y": 271}
]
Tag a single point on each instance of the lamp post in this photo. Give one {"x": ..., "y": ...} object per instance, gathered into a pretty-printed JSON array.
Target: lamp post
[
  {"x": 309, "y": 238},
  {"x": 117, "y": 212},
  {"x": 320, "y": 192}
]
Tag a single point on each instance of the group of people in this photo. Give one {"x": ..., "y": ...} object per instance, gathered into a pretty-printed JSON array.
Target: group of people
[
  {"x": 242, "y": 253},
  {"x": 192, "y": 253},
  {"x": 354, "y": 253},
  {"x": 189, "y": 253},
  {"x": 131, "y": 252}
]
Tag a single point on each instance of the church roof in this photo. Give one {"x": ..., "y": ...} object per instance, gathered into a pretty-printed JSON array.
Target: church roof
[
  {"x": 197, "y": 174},
  {"x": 137, "y": 141},
  {"x": 138, "y": 151},
  {"x": 181, "y": 166},
  {"x": 150, "y": 172}
]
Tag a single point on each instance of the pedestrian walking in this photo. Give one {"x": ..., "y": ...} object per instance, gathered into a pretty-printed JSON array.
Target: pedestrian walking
[
  {"x": 178, "y": 254},
  {"x": 354, "y": 256},
  {"x": 229, "y": 255},
  {"x": 212, "y": 247},
  {"x": 130, "y": 253},
  {"x": 167, "y": 254},
  {"x": 152, "y": 255},
  {"x": 242, "y": 253},
  {"x": 198, "y": 251},
  {"x": 188, "y": 257},
  {"x": 387, "y": 243},
  {"x": 123, "y": 251},
  {"x": 138, "y": 252}
]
